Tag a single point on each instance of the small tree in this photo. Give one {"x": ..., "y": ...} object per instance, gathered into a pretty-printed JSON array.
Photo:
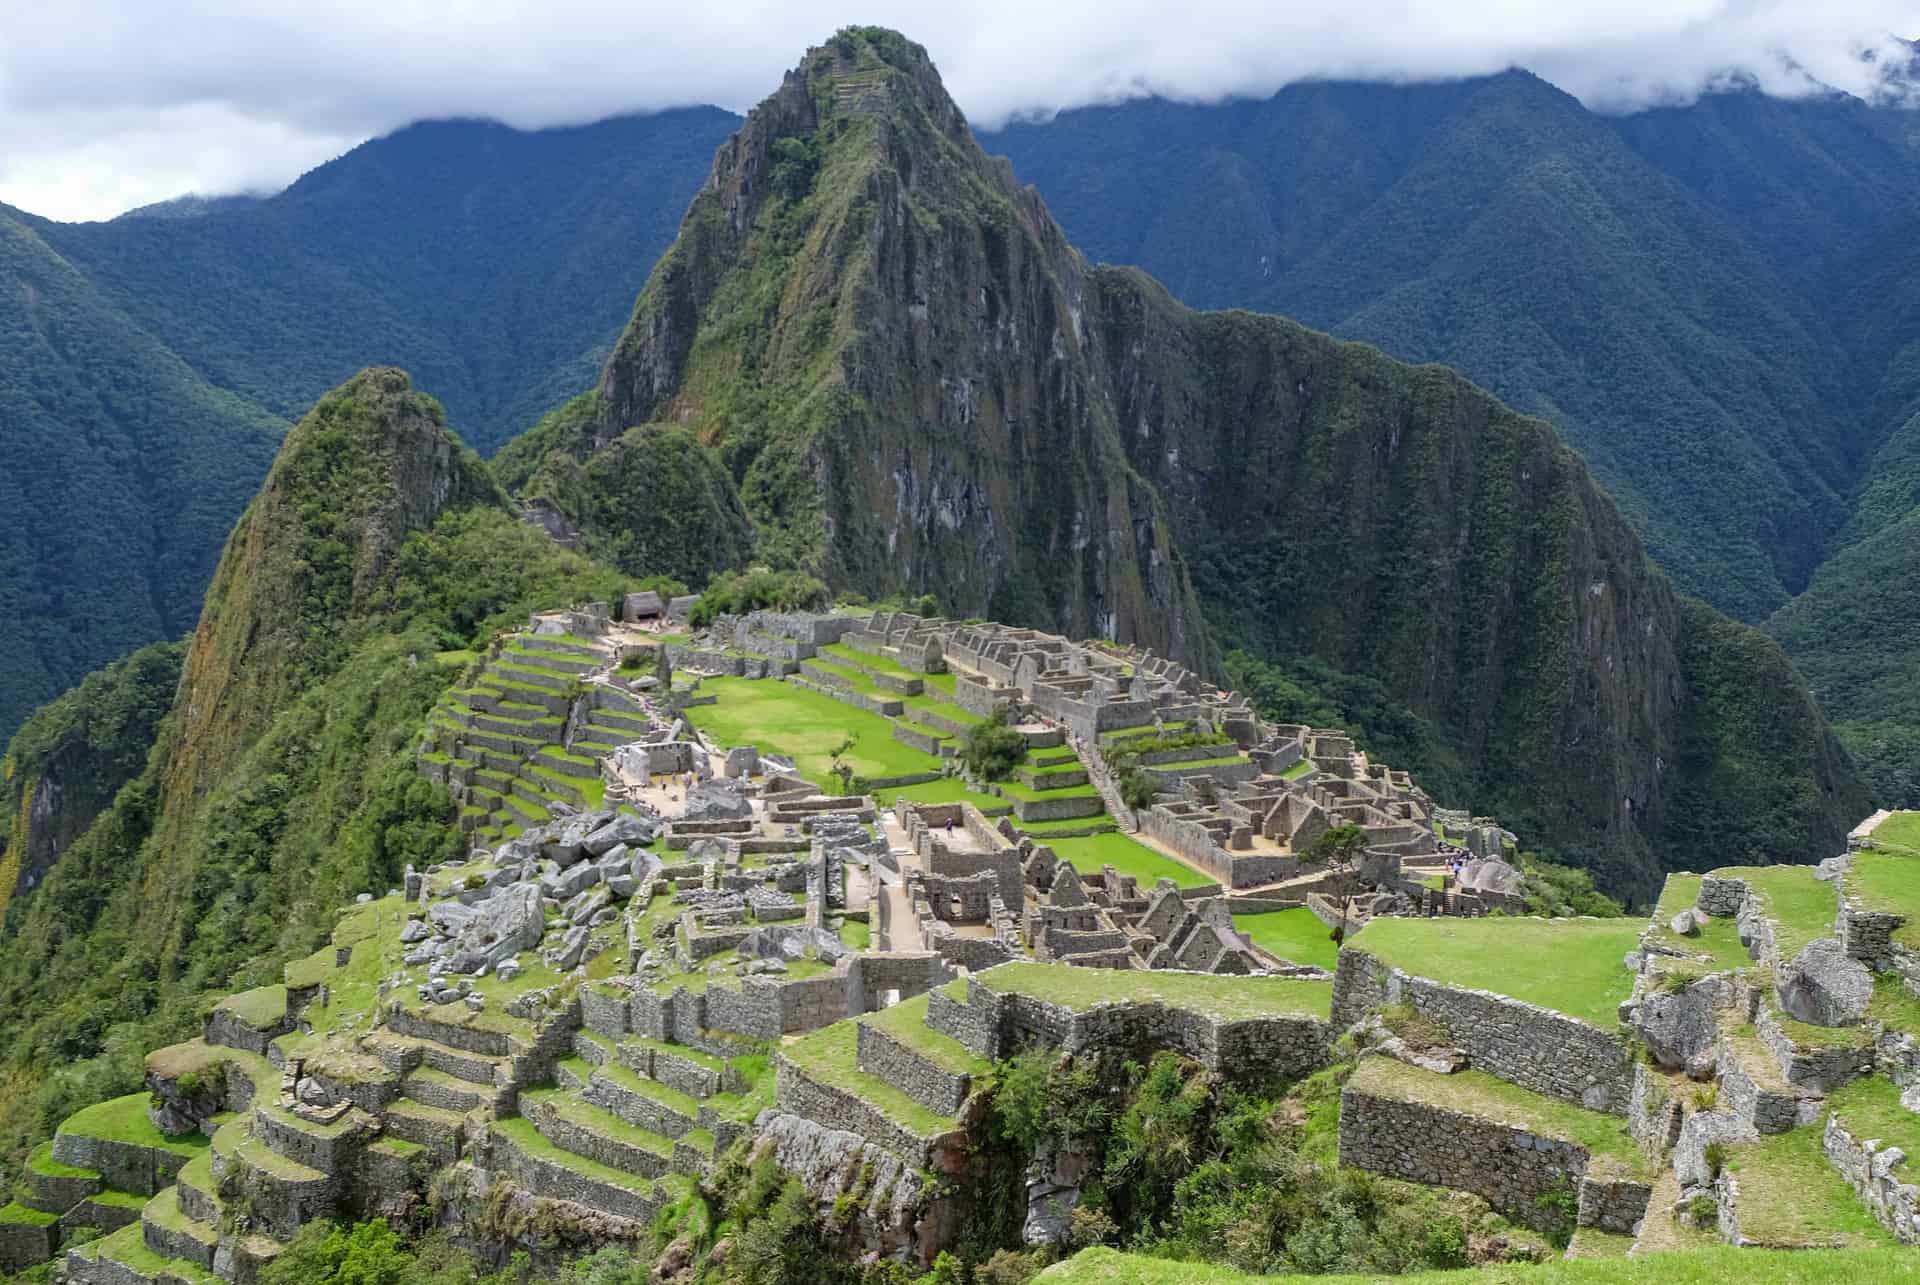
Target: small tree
[
  {"x": 991, "y": 748},
  {"x": 1340, "y": 850},
  {"x": 841, "y": 771}
]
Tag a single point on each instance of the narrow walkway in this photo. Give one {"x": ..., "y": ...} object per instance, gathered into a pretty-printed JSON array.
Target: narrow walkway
[{"x": 904, "y": 929}]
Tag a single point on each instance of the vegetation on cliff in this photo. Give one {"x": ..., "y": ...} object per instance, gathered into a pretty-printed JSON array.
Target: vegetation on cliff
[
  {"x": 282, "y": 781},
  {"x": 65, "y": 764}
]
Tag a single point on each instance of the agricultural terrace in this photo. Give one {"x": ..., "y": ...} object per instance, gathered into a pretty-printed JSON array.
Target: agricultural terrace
[{"x": 1572, "y": 966}]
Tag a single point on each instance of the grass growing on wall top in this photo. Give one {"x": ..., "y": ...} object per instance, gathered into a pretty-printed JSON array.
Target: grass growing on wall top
[
  {"x": 1714, "y": 1266},
  {"x": 1572, "y": 966},
  {"x": 1228, "y": 999},
  {"x": 1491, "y": 1098},
  {"x": 1801, "y": 907}
]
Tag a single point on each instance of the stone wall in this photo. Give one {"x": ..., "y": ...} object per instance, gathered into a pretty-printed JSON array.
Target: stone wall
[
  {"x": 125, "y": 1166},
  {"x": 927, "y": 1083},
  {"x": 24, "y": 1244},
  {"x": 833, "y": 1107},
  {"x": 559, "y": 1182},
  {"x": 869, "y": 976},
  {"x": 1523, "y": 1044},
  {"x": 1255, "y": 1049},
  {"x": 1509, "y": 1168},
  {"x": 1878, "y": 1174}
]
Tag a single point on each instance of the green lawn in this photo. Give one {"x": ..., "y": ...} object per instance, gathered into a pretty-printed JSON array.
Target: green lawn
[
  {"x": 262, "y": 1008},
  {"x": 1475, "y": 1092},
  {"x": 1901, "y": 830},
  {"x": 1791, "y": 1197},
  {"x": 1572, "y": 966},
  {"x": 1129, "y": 856},
  {"x": 125, "y": 1120},
  {"x": 803, "y": 725},
  {"x": 1294, "y": 935},
  {"x": 948, "y": 789},
  {"x": 1015, "y": 790},
  {"x": 1802, "y": 908},
  {"x": 1712, "y": 1266},
  {"x": 1298, "y": 770},
  {"x": 1224, "y": 998},
  {"x": 856, "y": 934}
]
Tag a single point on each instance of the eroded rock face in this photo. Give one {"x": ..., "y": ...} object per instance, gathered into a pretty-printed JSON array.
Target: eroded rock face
[
  {"x": 1679, "y": 1027},
  {"x": 831, "y": 1163},
  {"x": 1825, "y": 987},
  {"x": 625, "y": 830}
]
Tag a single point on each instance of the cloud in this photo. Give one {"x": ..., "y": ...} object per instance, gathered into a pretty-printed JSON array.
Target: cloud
[{"x": 107, "y": 104}]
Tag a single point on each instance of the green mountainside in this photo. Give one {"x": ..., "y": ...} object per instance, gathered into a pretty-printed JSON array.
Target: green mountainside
[
  {"x": 66, "y": 763},
  {"x": 918, "y": 385},
  {"x": 149, "y": 364},
  {"x": 120, "y": 471},
  {"x": 1679, "y": 290},
  {"x": 282, "y": 780}
]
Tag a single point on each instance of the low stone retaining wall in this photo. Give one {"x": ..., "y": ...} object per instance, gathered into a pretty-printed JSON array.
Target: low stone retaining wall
[
  {"x": 836, "y": 1108},
  {"x": 599, "y": 1148},
  {"x": 1253, "y": 1049},
  {"x": 557, "y": 1182},
  {"x": 125, "y": 1166},
  {"x": 1515, "y": 1171},
  {"x": 932, "y": 1086},
  {"x": 1878, "y": 1176},
  {"x": 24, "y": 1244},
  {"x": 1524, "y": 1044}
]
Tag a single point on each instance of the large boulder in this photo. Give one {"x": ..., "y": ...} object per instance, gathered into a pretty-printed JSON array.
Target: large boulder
[
  {"x": 1824, "y": 986},
  {"x": 626, "y": 829},
  {"x": 563, "y": 885},
  {"x": 501, "y": 927},
  {"x": 716, "y": 801}
]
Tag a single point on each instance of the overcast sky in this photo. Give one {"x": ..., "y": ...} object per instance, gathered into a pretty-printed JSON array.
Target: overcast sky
[{"x": 108, "y": 104}]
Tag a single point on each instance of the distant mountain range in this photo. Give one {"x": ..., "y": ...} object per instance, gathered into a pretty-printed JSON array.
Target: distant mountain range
[{"x": 1716, "y": 305}]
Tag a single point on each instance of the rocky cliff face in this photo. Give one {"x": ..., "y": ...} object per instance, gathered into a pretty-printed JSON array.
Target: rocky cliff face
[
  {"x": 886, "y": 339},
  {"x": 918, "y": 384}
]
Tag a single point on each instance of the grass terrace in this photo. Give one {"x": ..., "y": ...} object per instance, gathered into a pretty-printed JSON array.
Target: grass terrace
[
  {"x": 125, "y": 1120},
  {"x": 128, "y": 1247},
  {"x": 1719, "y": 938},
  {"x": 907, "y": 1023},
  {"x": 1476, "y": 1093},
  {"x": 1298, "y": 770},
  {"x": 1294, "y": 935},
  {"x": 1801, "y": 907},
  {"x": 1791, "y": 1197},
  {"x": 948, "y": 789},
  {"x": 1227, "y": 999},
  {"x": 1870, "y": 1108},
  {"x": 1571, "y": 966},
  {"x": 1126, "y": 854},
  {"x": 831, "y": 1056},
  {"x": 804, "y": 725},
  {"x": 1886, "y": 877},
  {"x": 530, "y": 1141},
  {"x": 850, "y": 658}
]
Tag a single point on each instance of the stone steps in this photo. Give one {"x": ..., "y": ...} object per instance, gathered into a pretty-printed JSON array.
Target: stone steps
[{"x": 575, "y": 1125}]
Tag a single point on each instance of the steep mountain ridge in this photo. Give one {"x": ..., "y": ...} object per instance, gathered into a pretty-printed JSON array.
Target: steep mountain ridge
[
  {"x": 281, "y": 779},
  {"x": 1679, "y": 291},
  {"x": 885, "y": 337},
  {"x": 921, "y": 386}
]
